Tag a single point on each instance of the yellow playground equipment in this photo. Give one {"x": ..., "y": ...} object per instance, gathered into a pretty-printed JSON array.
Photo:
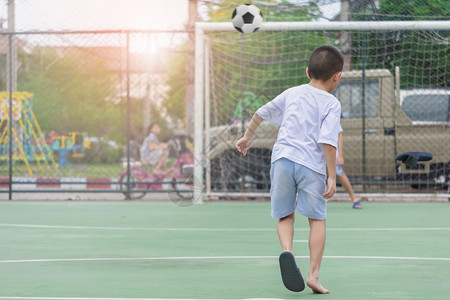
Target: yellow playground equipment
[
  {"x": 28, "y": 142},
  {"x": 74, "y": 143}
]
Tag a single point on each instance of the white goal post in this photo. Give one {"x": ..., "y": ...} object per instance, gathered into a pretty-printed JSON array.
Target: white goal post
[{"x": 202, "y": 75}]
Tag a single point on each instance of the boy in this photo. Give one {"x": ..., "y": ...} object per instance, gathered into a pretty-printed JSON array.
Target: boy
[
  {"x": 340, "y": 174},
  {"x": 308, "y": 116}
]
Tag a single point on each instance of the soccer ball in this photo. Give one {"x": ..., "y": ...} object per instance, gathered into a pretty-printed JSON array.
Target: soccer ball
[{"x": 247, "y": 18}]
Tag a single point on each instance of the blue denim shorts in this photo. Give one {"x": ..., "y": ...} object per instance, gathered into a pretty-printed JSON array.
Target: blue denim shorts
[
  {"x": 295, "y": 187},
  {"x": 339, "y": 171}
]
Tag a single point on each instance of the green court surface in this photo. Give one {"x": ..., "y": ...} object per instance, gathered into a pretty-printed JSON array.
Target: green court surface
[{"x": 219, "y": 250}]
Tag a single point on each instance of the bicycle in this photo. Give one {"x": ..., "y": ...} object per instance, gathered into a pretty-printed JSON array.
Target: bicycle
[{"x": 135, "y": 184}]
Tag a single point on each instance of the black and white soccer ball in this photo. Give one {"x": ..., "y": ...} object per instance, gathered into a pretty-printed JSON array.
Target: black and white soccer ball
[{"x": 247, "y": 18}]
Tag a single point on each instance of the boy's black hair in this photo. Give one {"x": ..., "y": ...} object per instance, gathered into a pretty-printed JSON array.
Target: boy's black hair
[{"x": 324, "y": 62}]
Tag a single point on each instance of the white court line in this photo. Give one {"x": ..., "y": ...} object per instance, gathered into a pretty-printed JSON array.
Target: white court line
[
  {"x": 134, "y": 228},
  {"x": 217, "y": 229},
  {"x": 89, "y": 298},
  {"x": 215, "y": 258},
  {"x": 80, "y": 298}
]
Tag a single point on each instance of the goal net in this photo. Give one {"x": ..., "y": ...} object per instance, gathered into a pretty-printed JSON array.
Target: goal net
[{"x": 394, "y": 94}]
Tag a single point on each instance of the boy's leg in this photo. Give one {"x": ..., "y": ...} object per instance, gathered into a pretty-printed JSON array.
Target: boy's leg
[
  {"x": 285, "y": 230},
  {"x": 161, "y": 165},
  {"x": 343, "y": 179},
  {"x": 290, "y": 273},
  {"x": 317, "y": 237},
  {"x": 283, "y": 194}
]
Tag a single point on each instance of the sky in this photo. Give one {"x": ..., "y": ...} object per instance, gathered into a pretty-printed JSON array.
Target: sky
[
  {"x": 72, "y": 15},
  {"x": 46, "y": 15}
]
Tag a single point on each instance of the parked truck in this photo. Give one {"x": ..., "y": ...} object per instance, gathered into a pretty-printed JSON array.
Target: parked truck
[{"x": 388, "y": 122}]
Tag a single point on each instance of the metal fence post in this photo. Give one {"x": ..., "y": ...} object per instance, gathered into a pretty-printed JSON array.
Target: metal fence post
[
  {"x": 128, "y": 196},
  {"x": 363, "y": 92},
  {"x": 10, "y": 88}
]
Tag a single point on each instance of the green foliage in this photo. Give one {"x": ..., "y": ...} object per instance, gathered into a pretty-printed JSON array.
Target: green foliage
[
  {"x": 247, "y": 106},
  {"x": 101, "y": 153},
  {"x": 72, "y": 92},
  {"x": 176, "y": 80},
  {"x": 419, "y": 54},
  {"x": 76, "y": 90},
  {"x": 415, "y": 10},
  {"x": 260, "y": 63}
]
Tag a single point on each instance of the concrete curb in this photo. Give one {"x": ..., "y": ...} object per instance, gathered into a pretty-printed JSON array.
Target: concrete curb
[{"x": 63, "y": 183}]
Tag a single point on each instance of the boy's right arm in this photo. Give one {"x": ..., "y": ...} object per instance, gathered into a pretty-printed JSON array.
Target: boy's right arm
[{"x": 244, "y": 143}]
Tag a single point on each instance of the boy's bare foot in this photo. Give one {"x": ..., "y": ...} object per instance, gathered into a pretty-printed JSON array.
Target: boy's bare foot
[{"x": 316, "y": 287}]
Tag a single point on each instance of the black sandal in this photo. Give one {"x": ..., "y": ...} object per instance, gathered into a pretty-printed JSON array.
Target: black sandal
[{"x": 290, "y": 273}]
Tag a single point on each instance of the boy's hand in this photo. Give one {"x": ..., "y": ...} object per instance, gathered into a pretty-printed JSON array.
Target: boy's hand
[
  {"x": 243, "y": 144},
  {"x": 340, "y": 161},
  {"x": 331, "y": 188}
]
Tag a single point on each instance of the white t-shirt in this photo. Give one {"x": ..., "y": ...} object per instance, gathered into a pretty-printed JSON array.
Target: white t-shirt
[
  {"x": 145, "y": 151},
  {"x": 308, "y": 118}
]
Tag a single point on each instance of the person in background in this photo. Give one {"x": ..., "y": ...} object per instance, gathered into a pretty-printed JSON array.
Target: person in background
[
  {"x": 153, "y": 152},
  {"x": 340, "y": 174}
]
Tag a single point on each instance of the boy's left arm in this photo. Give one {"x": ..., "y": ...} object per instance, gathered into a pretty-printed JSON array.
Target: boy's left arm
[
  {"x": 272, "y": 111},
  {"x": 244, "y": 143}
]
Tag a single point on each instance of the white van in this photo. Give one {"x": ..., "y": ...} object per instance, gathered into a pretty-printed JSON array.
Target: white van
[{"x": 426, "y": 105}]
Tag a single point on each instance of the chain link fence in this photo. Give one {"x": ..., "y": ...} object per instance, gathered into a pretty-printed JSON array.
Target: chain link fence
[
  {"x": 85, "y": 99},
  {"x": 81, "y": 105}
]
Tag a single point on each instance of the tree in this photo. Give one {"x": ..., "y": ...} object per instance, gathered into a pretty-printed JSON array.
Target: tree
[
  {"x": 419, "y": 54},
  {"x": 176, "y": 80},
  {"x": 414, "y": 10},
  {"x": 71, "y": 91}
]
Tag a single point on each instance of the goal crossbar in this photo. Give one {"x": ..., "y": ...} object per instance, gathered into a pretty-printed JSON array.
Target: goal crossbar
[{"x": 333, "y": 26}]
